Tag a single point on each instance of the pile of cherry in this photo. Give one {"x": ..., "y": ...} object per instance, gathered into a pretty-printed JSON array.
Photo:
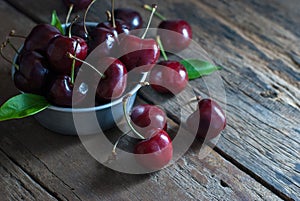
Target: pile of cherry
[{"x": 49, "y": 61}]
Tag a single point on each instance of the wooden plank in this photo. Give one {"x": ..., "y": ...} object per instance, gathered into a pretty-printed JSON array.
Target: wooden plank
[
  {"x": 251, "y": 72},
  {"x": 62, "y": 164},
  {"x": 17, "y": 185}
]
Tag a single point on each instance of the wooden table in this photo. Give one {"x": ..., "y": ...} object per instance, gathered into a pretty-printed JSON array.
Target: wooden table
[{"x": 256, "y": 158}]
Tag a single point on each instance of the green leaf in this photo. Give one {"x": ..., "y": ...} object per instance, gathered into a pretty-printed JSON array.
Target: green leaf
[
  {"x": 56, "y": 22},
  {"x": 198, "y": 68},
  {"x": 22, "y": 105}
]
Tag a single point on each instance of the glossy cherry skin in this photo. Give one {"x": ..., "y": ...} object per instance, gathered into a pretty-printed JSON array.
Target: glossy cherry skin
[
  {"x": 32, "y": 74},
  {"x": 114, "y": 83},
  {"x": 60, "y": 92},
  {"x": 58, "y": 49},
  {"x": 147, "y": 118},
  {"x": 130, "y": 17},
  {"x": 39, "y": 37},
  {"x": 78, "y": 4},
  {"x": 168, "y": 77},
  {"x": 180, "y": 37},
  {"x": 208, "y": 120},
  {"x": 156, "y": 152},
  {"x": 138, "y": 53}
]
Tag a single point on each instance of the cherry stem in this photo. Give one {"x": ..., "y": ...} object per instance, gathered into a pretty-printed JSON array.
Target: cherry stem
[
  {"x": 73, "y": 64},
  {"x": 113, "y": 13},
  {"x": 154, "y": 7},
  {"x": 90, "y": 65},
  {"x": 125, "y": 101},
  {"x": 69, "y": 13},
  {"x": 85, "y": 14},
  {"x": 12, "y": 46},
  {"x": 70, "y": 28},
  {"x": 13, "y": 34},
  {"x": 149, "y": 8},
  {"x": 108, "y": 15},
  {"x": 192, "y": 100},
  {"x": 117, "y": 142},
  {"x": 161, "y": 47},
  {"x": 3, "y": 45}
]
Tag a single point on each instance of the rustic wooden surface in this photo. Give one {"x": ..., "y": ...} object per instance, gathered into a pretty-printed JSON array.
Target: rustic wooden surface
[{"x": 257, "y": 156}]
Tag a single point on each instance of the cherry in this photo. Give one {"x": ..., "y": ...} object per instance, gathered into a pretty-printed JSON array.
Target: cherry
[
  {"x": 147, "y": 118},
  {"x": 61, "y": 91},
  {"x": 39, "y": 37},
  {"x": 113, "y": 84},
  {"x": 31, "y": 77},
  {"x": 78, "y": 4},
  {"x": 178, "y": 37},
  {"x": 103, "y": 41},
  {"x": 208, "y": 120},
  {"x": 120, "y": 26},
  {"x": 139, "y": 52},
  {"x": 156, "y": 152},
  {"x": 58, "y": 49},
  {"x": 168, "y": 77},
  {"x": 130, "y": 17}
]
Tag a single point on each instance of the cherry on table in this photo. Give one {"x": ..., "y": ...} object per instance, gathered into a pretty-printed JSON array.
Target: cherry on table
[
  {"x": 130, "y": 17},
  {"x": 57, "y": 53},
  {"x": 176, "y": 35},
  {"x": 147, "y": 118},
  {"x": 208, "y": 120},
  {"x": 31, "y": 77},
  {"x": 155, "y": 152},
  {"x": 39, "y": 37},
  {"x": 168, "y": 77}
]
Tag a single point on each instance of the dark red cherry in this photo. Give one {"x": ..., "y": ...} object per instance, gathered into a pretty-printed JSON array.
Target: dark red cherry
[
  {"x": 130, "y": 17},
  {"x": 57, "y": 53},
  {"x": 138, "y": 53},
  {"x": 103, "y": 41},
  {"x": 113, "y": 84},
  {"x": 78, "y": 4},
  {"x": 61, "y": 92},
  {"x": 177, "y": 37},
  {"x": 208, "y": 120},
  {"x": 32, "y": 74},
  {"x": 168, "y": 77},
  {"x": 147, "y": 118},
  {"x": 120, "y": 27},
  {"x": 39, "y": 37},
  {"x": 156, "y": 152}
]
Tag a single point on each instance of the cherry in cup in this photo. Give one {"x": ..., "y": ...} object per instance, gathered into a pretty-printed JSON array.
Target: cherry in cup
[
  {"x": 32, "y": 74},
  {"x": 208, "y": 120},
  {"x": 62, "y": 92},
  {"x": 39, "y": 37},
  {"x": 138, "y": 52},
  {"x": 130, "y": 17}
]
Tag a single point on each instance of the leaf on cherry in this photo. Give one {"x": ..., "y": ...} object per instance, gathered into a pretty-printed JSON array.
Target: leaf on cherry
[
  {"x": 56, "y": 22},
  {"x": 22, "y": 105},
  {"x": 197, "y": 68}
]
